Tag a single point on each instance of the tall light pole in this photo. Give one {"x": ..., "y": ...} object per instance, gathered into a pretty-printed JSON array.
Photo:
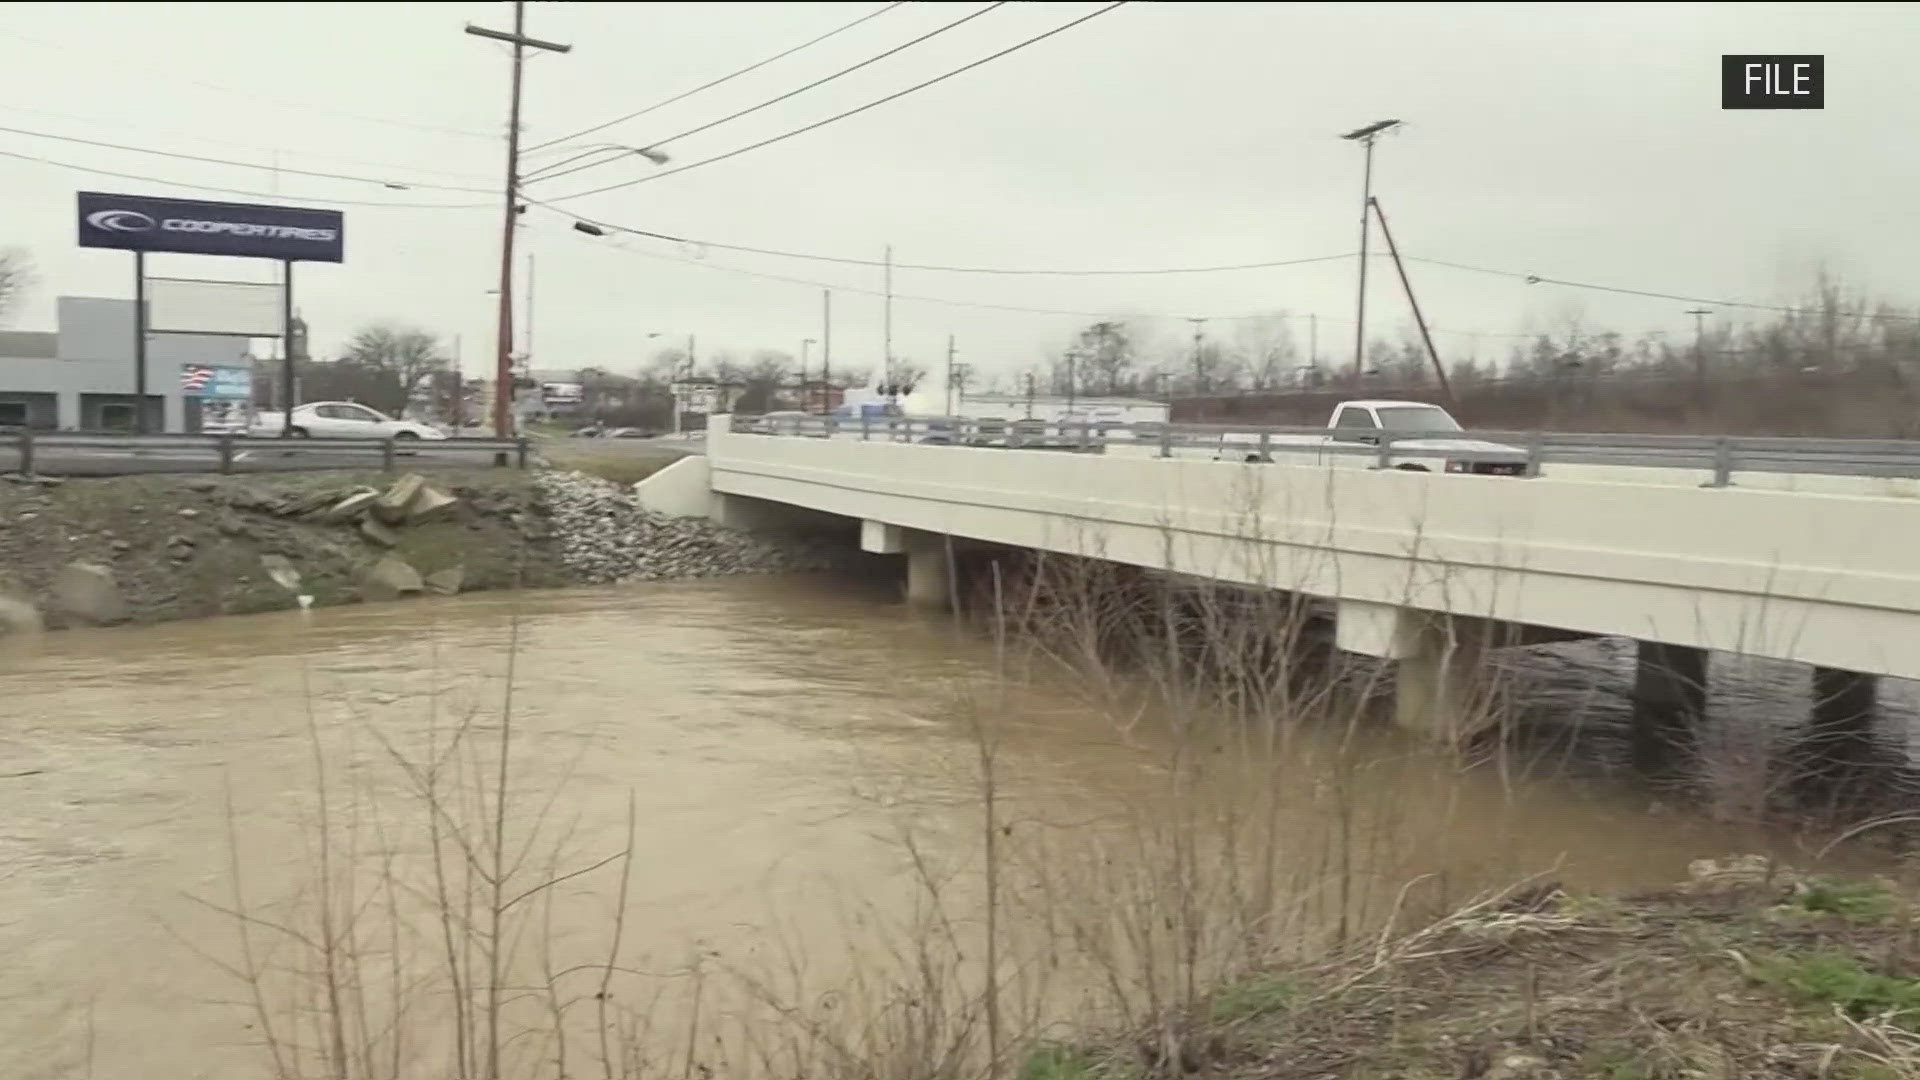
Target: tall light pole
[
  {"x": 1199, "y": 376},
  {"x": 804, "y": 342},
  {"x": 503, "y": 359},
  {"x": 1700, "y": 346},
  {"x": 1365, "y": 137},
  {"x": 826, "y": 350}
]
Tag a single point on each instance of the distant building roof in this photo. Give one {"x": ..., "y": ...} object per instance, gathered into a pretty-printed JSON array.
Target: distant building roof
[{"x": 29, "y": 344}]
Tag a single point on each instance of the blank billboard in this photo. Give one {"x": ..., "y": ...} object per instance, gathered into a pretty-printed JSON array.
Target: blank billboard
[{"x": 194, "y": 306}]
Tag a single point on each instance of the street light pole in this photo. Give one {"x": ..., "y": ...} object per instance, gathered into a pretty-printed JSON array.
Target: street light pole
[
  {"x": 804, "y": 342},
  {"x": 1365, "y": 137},
  {"x": 503, "y": 360},
  {"x": 1199, "y": 377}
]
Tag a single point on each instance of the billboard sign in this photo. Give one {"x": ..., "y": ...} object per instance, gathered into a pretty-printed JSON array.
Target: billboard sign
[
  {"x": 197, "y": 227},
  {"x": 211, "y": 381}
]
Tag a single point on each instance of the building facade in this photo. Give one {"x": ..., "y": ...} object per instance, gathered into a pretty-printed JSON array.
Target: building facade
[{"x": 80, "y": 376}]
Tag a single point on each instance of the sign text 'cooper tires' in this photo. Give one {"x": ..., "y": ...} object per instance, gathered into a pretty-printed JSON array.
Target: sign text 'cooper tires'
[{"x": 197, "y": 227}]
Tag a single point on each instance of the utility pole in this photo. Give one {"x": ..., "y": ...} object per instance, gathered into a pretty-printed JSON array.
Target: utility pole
[
  {"x": 528, "y": 357},
  {"x": 503, "y": 360},
  {"x": 1439, "y": 370},
  {"x": 1700, "y": 347},
  {"x": 1313, "y": 341},
  {"x": 459, "y": 390},
  {"x": 804, "y": 342},
  {"x": 1199, "y": 375},
  {"x": 1029, "y": 395},
  {"x": 887, "y": 329},
  {"x": 951, "y": 374},
  {"x": 1365, "y": 137},
  {"x": 826, "y": 350}
]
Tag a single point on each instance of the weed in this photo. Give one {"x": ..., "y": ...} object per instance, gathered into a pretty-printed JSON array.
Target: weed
[
  {"x": 1053, "y": 1061},
  {"x": 1261, "y": 996},
  {"x": 1837, "y": 979},
  {"x": 1857, "y": 900}
]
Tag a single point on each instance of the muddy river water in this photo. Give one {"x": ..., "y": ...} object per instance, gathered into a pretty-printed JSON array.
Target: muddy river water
[{"x": 773, "y": 740}]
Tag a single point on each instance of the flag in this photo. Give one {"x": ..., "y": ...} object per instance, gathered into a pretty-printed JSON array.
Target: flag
[{"x": 194, "y": 378}]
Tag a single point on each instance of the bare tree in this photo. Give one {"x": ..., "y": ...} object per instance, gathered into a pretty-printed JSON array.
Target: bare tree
[
  {"x": 16, "y": 277},
  {"x": 394, "y": 358}
]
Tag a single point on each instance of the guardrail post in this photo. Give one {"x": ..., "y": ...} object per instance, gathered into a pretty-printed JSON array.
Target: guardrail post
[
  {"x": 1386, "y": 453},
  {"x": 1166, "y": 440},
  {"x": 522, "y": 446},
  {"x": 1535, "y": 451},
  {"x": 1266, "y": 446},
  {"x": 26, "y": 451},
  {"x": 386, "y": 454},
  {"x": 226, "y": 452},
  {"x": 1722, "y": 462},
  {"x": 866, "y": 428}
]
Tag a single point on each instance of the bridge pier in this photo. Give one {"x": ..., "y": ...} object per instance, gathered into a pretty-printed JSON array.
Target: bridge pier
[
  {"x": 1839, "y": 739},
  {"x": 1669, "y": 701},
  {"x": 928, "y": 584},
  {"x": 1439, "y": 683}
]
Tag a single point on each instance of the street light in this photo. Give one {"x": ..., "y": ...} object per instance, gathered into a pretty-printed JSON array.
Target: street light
[{"x": 558, "y": 168}]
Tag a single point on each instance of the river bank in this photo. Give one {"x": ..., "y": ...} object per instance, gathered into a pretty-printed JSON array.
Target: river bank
[
  {"x": 1747, "y": 970},
  {"x": 147, "y": 549}
]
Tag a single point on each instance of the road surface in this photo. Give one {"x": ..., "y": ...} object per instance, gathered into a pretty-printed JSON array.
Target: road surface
[{"x": 256, "y": 456}]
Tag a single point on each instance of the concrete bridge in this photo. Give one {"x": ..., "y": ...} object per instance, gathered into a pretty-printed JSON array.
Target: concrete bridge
[{"x": 1425, "y": 569}]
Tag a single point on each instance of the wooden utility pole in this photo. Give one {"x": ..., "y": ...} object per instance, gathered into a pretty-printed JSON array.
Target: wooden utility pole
[
  {"x": 503, "y": 360},
  {"x": 826, "y": 350},
  {"x": 1419, "y": 320},
  {"x": 1365, "y": 137}
]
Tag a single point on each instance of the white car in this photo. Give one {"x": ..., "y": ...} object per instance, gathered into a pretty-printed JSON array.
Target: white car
[
  {"x": 341, "y": 420},
  {"x": 1423, "y": 438}
]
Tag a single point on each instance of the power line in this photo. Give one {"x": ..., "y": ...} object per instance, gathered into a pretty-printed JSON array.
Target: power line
[
  {"x": 254, "y": 93},
  {"x": 237, "y": 164},
  {"x": 724, "y": 78},
  {"x": 1536, "y": 279},
  {"x": 995, "y": 270},
  {"x": 793, "y": 93},
  {"x": 276, "y": 196},
  {"x": 192, "y": 137},
  {"x": 810, "y": 283},
  {"x": 850, "y": 112}
]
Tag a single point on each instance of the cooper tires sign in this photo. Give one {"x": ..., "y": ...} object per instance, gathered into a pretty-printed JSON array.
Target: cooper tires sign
[{"x": 197, "y": 227}]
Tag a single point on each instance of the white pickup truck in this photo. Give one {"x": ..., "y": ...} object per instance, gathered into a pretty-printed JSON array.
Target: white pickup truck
[{"x": 1420, "y": 438}]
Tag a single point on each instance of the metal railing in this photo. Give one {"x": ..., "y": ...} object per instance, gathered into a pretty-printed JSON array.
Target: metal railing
[
  {"x": 1526, "y": 453},
  {"x": 228, "y": 452}
]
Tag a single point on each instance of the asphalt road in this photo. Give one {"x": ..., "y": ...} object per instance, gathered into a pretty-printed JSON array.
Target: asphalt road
[{"x": 306, "y": 456}]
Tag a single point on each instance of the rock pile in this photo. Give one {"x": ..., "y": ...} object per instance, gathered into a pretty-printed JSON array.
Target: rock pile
[{"x": 605, "y": 537}]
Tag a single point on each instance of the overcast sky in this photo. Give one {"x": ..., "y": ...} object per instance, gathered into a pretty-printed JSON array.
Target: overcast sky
[{"x": 1583, "y": 142}]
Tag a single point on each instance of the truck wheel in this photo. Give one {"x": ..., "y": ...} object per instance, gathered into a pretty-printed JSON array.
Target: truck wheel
[
  {"x": 1253, "y": 459},
  {"x": 1410, "y": 467},
  {"x": 300, "y": 433}
]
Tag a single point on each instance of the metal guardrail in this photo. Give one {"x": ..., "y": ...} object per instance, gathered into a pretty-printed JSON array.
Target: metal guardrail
[
  {"x": 230, "y": 449},
  {"x": 1521, "y": 453}
]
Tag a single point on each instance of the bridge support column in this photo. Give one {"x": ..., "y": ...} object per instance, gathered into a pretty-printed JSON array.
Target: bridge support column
[
  {"x": 1438, "y": 687},
  {"x": 1839, "y": 739},
  {"x": 1440, "y": 682},
  {"x": 1669, "y": 701},
  {"x": 927, "y": 585}
]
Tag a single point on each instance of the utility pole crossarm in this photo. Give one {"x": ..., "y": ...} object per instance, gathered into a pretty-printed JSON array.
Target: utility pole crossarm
[{"x": 517, "y": 39}]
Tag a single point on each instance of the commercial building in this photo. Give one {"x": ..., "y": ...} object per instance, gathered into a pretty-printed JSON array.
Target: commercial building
[{"x": 80, "y": 377}]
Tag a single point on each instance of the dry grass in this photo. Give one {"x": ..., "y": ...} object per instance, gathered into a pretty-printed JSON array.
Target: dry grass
[{"x": 615, "y": 460}]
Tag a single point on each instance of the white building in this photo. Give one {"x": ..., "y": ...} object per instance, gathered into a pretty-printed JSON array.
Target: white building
[{"x": 1117, "y": 410}]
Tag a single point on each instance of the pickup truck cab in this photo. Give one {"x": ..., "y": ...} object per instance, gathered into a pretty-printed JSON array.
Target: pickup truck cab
[{"x": 1420, "y": 438}]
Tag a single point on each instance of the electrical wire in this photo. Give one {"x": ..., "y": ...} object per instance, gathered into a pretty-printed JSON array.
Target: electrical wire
[
  {"x": 724, "y": 78},
  {"x": 1536, "y": 279},
  {"x": 1110, "y": 314},
  {"x": 254, "y": 93},
  {"x": 850, "y": 112},
  {"x": 239, "y": 164},
  {"x": 791, "y": 93},
  {"x": 276, "y": 196},
  {"x": 993, "y": 270},
  {"x": 254, "y": 147}
]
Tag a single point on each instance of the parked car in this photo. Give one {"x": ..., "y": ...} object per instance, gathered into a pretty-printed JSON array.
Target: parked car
[
  {"x": 341, "y": 420},
  {"x": 1420, "y": 437}
]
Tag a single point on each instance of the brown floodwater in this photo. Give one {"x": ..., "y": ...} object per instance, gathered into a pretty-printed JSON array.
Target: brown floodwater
[{"x": 775, "y": 740}]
